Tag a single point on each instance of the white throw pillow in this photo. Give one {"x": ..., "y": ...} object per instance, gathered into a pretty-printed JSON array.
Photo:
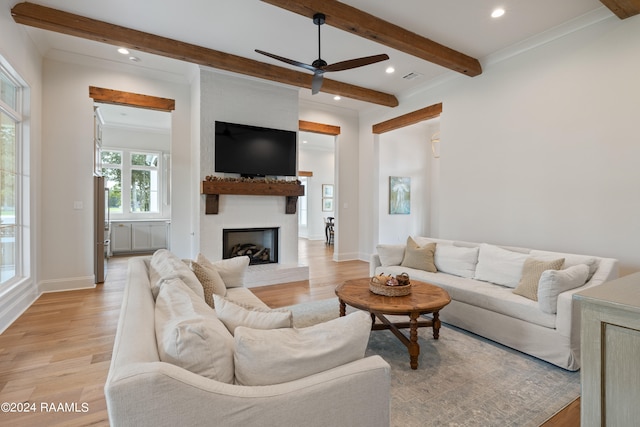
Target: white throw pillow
[
  {"x": 499, "y": 266},
  {"x": 390, "y": 254},
  {"x": 190, "y": 335},
  {"x": 275, "y": 356},
  {"x": 570, "y": 260},
  {"x": 167, "y": 265},
  {"x": 553, "y": 282},
  {"x": 210, "y": 280},
  {"x": 234, "y": 315},
  {"x": 232, "y": 270},
  {"x": 456, "y": 260}
]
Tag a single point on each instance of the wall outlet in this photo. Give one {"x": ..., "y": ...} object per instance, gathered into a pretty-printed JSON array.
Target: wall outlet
[{"x": 78, "y": 205}]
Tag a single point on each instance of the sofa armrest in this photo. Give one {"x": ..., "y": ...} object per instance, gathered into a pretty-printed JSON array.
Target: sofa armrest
[
  {"x": 374, "y": 261},
  {"x": 156, "y": 393}
]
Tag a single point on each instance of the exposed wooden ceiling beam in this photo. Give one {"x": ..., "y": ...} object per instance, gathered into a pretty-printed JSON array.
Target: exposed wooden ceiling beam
[
  {"x": 355, "y": 21},
  {"x": 426, "y": 113},
  {"x": 116, "y": 97},
  {"x": 318, "y": 128},
  {"x": 623, "y": 8},
  {"x": 79, "y": 26}
]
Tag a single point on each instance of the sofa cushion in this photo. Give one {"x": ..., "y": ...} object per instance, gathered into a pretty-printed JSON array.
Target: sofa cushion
[
  {"x": 499, "y": 266},
  {"x": 570, "y": 260},
  {"x": 167, "y": 265},
  {"x": 210, "y": 280},
  {"x": 553, "y": 283},
  {"x": 233, "y": 315},
  {"x": 390, "y": 254},
  {"x": 419, "y": 257},
  {"x": 531, "y": 272},
  {"x": 232, "y": 270},
  {"x": 274, "y": 356},
  {"x": 456, "y": 260},
  {"x": 190, "y": 335},
  {"x": 489, "y": 296}
]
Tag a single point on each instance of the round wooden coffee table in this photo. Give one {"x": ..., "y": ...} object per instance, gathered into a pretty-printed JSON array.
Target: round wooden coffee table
[{"x": 424, "y": 298}]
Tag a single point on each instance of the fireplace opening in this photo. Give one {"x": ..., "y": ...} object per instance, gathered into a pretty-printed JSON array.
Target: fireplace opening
[{"x": 259, "y": 244}]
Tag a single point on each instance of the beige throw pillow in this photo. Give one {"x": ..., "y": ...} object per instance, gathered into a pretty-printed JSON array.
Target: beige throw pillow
[
  {"x": 419, "y": 257},
  {"x": 211, "y": 281},
  {"x": 234, "y": 315},
  {"x": 274, "y": 356},
  {"x": 189, "y": 334},
  {"x": 531, "y": 272}
]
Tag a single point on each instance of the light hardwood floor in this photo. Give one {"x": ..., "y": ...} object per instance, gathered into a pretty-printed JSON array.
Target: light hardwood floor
[{"x": 58, "y": 351}]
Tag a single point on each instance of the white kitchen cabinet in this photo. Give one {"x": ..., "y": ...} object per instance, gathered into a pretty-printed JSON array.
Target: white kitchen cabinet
[
  {"x": 139, "y": 236},
  {"x": 120, "y": 237}
]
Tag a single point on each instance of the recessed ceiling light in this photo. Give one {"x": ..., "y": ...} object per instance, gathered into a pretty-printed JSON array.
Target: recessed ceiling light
[
  {"x": 336, "y": 98},
  {"x": 134, "y": 58},
  {"x": 123, "y": 51},
  {"x": 497, "y": 13},
  {"x": 390, "y": 70},
  {"x": 304, "y": 142}
]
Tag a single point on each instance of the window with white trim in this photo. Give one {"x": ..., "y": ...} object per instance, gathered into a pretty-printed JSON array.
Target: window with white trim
[
  {"x": 134, "y": 178},
  {"x": 12, "y": 215}
]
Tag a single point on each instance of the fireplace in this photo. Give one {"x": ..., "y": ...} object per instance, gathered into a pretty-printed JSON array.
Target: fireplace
[{"x": 259, "y": 244}]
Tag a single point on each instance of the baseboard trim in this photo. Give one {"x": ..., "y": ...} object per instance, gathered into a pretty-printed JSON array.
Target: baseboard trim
[
  {"x": 15, "y": 302},
  {"x": 70, "y": 284}
]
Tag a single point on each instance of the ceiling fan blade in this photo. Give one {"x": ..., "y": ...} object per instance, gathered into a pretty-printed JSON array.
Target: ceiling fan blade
[
  {"x": 316, "y": 83},
  {"x": 355, "y": 63},
  {"x": 288, "y": 61}
]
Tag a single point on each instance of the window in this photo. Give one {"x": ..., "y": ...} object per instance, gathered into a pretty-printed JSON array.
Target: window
[
  {"x": 141, "y": 170},
  {"x": 11, "y": 177}
]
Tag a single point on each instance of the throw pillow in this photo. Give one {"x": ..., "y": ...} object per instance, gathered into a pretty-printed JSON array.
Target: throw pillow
[
  {"x": 531, "y": 272},
  {"x": 456, "y": 260},
  {"x": 234, "y": 315},
  {"x": 273, "y": 356},
  {"x": 553, "y": 283},
  {"x": 232, "y": 270},
  {"x": 419, "y": 257},
  {"x": 390, "y": 254},
  {"x": 211, "y": 281},
  {"x": 167, "y": 265},
  {"x": 499, "y": 266},
  {"x": 570, "y": 260},
  {"x": 190, "y": 335}
]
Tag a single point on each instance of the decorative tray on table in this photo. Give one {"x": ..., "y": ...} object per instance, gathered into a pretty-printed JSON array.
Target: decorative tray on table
[{"x": 390, "y": 286}]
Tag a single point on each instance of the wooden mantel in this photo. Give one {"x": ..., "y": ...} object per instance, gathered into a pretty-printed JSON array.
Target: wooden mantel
[{"x": 213, "y": 189}]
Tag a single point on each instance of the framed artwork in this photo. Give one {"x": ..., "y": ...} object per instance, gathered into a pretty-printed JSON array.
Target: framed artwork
[
  {"x": 327, "y": 190},
  {"x": 399, "y": 195},
  {"x": 327, "y": 204}
]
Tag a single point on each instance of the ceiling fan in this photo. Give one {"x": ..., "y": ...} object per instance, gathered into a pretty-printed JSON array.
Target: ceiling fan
[{"x": 320, "y": 66}]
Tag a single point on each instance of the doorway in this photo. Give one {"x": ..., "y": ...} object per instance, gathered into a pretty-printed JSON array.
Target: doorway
[{"x": 317, "y": 155}]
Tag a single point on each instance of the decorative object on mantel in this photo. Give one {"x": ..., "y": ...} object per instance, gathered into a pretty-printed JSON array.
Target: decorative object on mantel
[
  {"x": 390, "y": 286},
  {"x": 213, "y": 186}
]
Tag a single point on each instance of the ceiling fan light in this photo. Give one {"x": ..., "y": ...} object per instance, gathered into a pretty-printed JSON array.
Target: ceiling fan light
[{"x": 497, "y": 13}]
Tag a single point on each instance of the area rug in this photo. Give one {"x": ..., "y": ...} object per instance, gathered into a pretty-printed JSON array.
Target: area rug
[{"x": 462, "y": 379}]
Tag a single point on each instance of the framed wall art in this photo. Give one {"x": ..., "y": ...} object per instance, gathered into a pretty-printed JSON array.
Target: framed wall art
[{"x": 399, "y": 195}]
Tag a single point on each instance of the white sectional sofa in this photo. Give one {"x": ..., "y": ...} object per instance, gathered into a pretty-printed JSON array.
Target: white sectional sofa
[
  {"x": 144, "y": 388},
  {"x": 481, "y": 279}
]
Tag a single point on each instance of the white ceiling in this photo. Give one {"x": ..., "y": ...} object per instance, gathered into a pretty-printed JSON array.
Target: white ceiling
[{"x": 240, "y": 26}]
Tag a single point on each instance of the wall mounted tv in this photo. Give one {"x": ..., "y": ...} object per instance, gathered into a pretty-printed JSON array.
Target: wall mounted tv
[{"x": 254, "y": 151}]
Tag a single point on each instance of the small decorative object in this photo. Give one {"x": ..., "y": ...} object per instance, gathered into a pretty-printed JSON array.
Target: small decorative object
[
  {"x": 390, "y": 286},
  {"x": 399, "y": 195}
]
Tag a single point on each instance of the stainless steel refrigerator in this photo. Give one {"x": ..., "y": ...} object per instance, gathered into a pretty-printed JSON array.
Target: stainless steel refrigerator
[{"x": 102, "y": 228}]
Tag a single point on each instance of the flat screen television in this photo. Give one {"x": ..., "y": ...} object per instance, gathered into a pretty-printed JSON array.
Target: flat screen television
[{"x": 254, "y": 151}]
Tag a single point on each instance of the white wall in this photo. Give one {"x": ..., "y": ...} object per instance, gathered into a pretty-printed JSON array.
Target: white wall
[
  {"x": 21, "y": 55},
  {"x": 229, "y": 98},
  {"x": 541, "y": 150},
  {"x": 405, "y": 152},
  {"x": 322, "y": 164},
  {"x": 347, "y": 193},
  {"x": 67, "y": 234}
]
